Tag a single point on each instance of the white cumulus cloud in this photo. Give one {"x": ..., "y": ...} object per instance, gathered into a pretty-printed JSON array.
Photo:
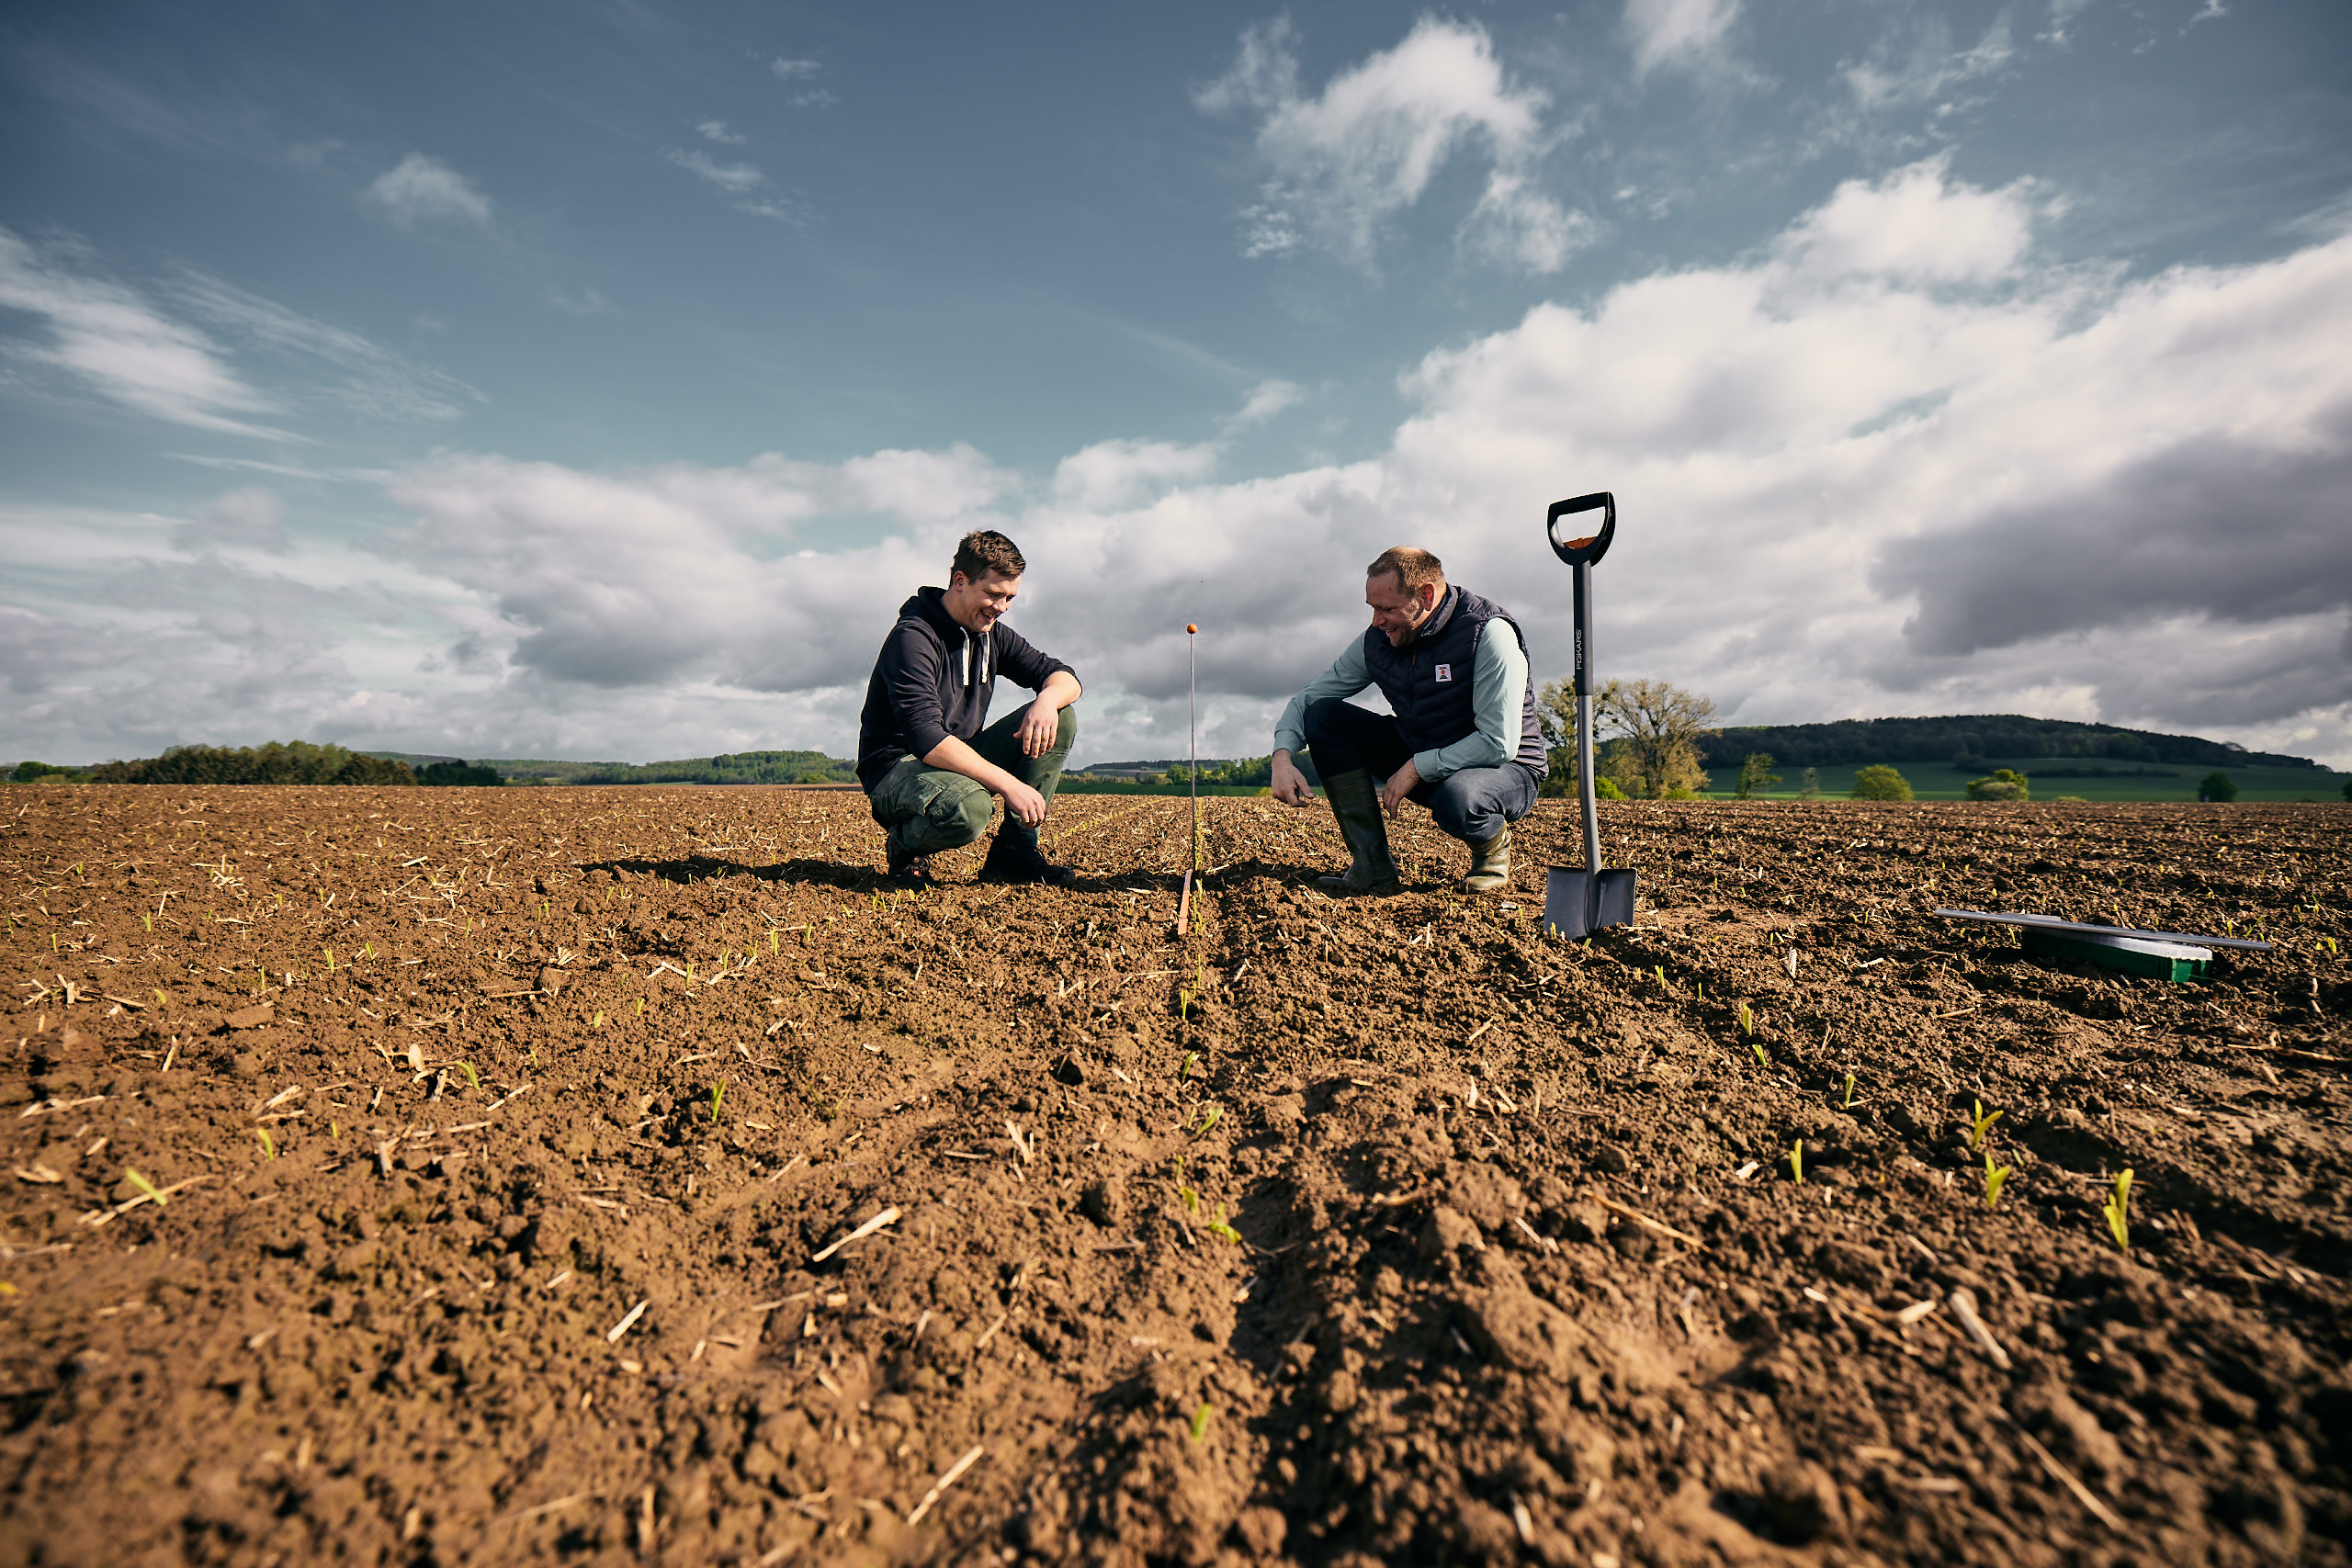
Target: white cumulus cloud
[
  {"x": 1855, "y": 476},
  {"x": 1346, "y": 160},
  {"x": 418, "y": 187}
]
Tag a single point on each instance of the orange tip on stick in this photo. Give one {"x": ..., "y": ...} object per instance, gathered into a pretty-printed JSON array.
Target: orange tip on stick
[{"x": 1190, "y": 630}]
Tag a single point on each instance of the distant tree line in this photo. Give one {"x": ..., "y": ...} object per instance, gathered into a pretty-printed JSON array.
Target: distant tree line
[
  {"x": 1968, "y": 741},
  {"x": 278, "y": 762},
  {"x": 275, "y": 762},
  {"x": 733, "y": 768}
]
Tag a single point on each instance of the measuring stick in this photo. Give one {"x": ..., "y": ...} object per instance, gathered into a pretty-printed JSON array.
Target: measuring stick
[{"x": 1193, "y": 761}]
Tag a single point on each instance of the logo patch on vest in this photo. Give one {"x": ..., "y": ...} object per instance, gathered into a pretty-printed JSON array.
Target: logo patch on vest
[{"x": 1444, "y": 674}]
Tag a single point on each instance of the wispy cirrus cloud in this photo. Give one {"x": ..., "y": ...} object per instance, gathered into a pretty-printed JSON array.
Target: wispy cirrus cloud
[
  {"x": 113, "y": 342},
  {"x": 807, "y": 97},
  {"x": 747, "y": 184},
  {"x": 1677, "y": 32},
  {"x": 418, "y": 188},
  {"x": 733, "y": 178},
  {"x": 1345, "y": 161},
  {"x": 143, "y": 350}
]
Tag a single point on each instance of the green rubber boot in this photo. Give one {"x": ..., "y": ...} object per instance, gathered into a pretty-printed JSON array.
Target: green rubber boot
[
  {"x": 1489, "y": 865},
  {"x": 1356, "y": 803}
]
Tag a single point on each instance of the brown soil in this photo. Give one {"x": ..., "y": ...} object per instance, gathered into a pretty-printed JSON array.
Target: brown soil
[{"x": 1378, "y": 1231}]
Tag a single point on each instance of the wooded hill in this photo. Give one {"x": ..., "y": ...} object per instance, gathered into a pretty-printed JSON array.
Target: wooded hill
[{"x": 1968, "y": 741}]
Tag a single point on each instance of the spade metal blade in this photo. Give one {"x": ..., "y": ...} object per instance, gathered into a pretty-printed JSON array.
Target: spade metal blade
[{"x": 1577, "y": 903}]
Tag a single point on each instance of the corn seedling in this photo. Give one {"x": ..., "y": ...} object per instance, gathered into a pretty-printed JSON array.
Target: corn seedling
[
  {"x": 1746, "y": 1022},
  {"x": 2329, "y": 942},
  {"x": 1796, "y": 1161},
  {"x": 1186, "y": 1068},
  {"x": 1699, "y": 990},
  {"x": 1210, "y": 1117},
  {"x": 596, "y": 1022},
  {"x": 154, "y": 1194},
  {"x": 162, "y": 1000},
  {"x": 1223, "y": 1232},
  {"x": 334, "y": 1129},
  {"x": 640, "y": 1007},
  {"x": 1982, "y": 1122},
  {"x": 1192, "y": 1199},
  {"x": 1660, "y": 973},
  {"x": 148, "y": 921},
  {"x": 717, "y": 1094},
  {"x": 330, "y": 952},
  {"x": 2118, "y": 1210},
  {"x": 773, "y": 939},
  {"x": 268, "y": 1148},
  {"x": 1848, "y": 1103},
  {"x": 1201, "y": 1422},
  {"x": 472, "y": 1076},
  {"x": 1757, "y": 1047},
  {"x": 1994, "y": 1175}
]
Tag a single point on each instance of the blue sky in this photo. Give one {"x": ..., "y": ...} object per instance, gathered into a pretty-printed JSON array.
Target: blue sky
[{"x": 595, "y": 380}]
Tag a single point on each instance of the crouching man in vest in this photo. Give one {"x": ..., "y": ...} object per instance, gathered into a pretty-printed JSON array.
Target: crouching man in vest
[
  {"x": 926, "y": 753},
  {"x": 1463, "y": 739}
]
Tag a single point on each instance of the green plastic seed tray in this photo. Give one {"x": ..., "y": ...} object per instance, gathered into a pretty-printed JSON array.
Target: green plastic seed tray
[{"x": 2133, "y": 956}]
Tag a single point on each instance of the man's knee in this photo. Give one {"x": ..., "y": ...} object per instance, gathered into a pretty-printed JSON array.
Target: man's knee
[
  {"x": 962, "y": 810},
  {"x": 1324, "y": 718},
  {"x": 1066, "y": 732}
]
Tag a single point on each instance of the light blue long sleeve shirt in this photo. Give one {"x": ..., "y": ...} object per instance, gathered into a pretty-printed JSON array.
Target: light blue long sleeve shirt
[{"x": 1497, "y": 698}]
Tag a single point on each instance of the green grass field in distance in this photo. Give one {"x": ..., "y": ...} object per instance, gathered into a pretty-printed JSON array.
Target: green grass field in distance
[{"x": 1941, "y": 781}]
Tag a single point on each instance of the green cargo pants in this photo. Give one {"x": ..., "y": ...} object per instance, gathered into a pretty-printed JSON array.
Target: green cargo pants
[{"x": 926, "y": 811}]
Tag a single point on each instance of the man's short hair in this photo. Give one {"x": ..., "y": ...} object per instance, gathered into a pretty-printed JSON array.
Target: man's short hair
[
  {"x": 1414, "y": 568},
  {"x": 984, "y": 550}
]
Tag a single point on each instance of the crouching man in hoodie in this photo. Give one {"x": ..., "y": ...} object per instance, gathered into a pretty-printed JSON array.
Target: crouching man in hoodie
[
  {"x": 926, "y": 753},
  {"x": 1461, "y": 738}
]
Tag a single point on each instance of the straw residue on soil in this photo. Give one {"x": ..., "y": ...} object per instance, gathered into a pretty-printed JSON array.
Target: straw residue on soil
[{"x": 631, "y": 1173}]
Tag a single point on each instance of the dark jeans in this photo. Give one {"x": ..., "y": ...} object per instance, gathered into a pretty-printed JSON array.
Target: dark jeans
[
  {"x": 1471, "y": 805},
  {"x": 926, "y": 811}
]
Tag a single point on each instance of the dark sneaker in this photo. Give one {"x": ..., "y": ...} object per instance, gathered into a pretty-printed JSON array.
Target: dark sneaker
[
  {"x": 1010, "y": 862},
  {"x": 911, "y": 870}
]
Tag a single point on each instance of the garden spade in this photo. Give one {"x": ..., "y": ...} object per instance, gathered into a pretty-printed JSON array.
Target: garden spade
[{"x": 1577, "y": 903}]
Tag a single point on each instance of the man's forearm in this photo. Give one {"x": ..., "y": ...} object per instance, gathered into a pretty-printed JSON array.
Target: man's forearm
[
  {"x": 955, "y": 756},
  {"x": 1060, "y": 690}
]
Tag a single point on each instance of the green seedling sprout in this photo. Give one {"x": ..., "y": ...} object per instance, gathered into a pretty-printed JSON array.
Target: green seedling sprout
[
  {"x": 1660, "y": 973},
  {"x": 148, "y": 921},
  {"x": 1184, "y": 1069},
  {"x": 1699, "y": 990},
  {"x": 1210, "y": 1117},
  {"x": 1201, "y": 1422},
  {"x": 334, "y": 1129},
  {"x": 1848, "y": 1103},
  {"x": 1982, "y": 1123},
  {"x": 718, "y": 1093},
  {"x": 1192, "y": 1199},
  {"x": 2118, "y": 1210},
  {"x": 1746, "y": 1020},
  {"x": 1796, "y": 1161},
  {"x": 268, "y": 1148},
  {"x": 1761, "y": 1060},
  {"x": 472, "y": 1076},
  {"x": 1994, "y": 1175},
  {"x": 1223, "y": 1232},
  {"x": 162, "y": 1000},
  {"x": 153, "y": 1192},
  {"x": 596, "y": 1022},
  {"x": 772, "y": 941}
]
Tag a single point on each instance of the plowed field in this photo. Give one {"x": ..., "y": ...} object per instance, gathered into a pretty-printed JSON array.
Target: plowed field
[{"x": 483, "y": 1177}]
